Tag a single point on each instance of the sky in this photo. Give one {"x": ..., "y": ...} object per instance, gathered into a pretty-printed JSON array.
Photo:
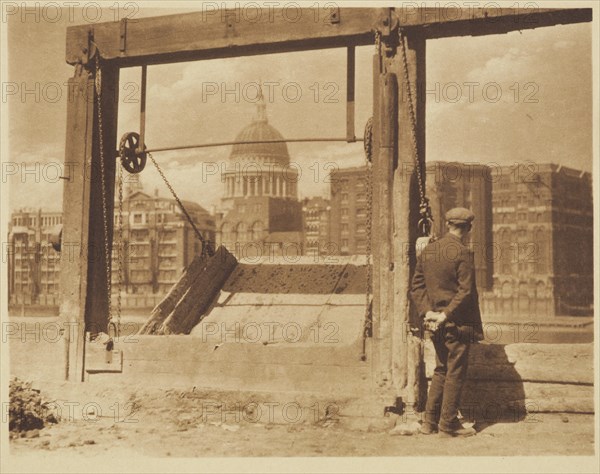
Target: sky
[{"x": 522, "y": 96}]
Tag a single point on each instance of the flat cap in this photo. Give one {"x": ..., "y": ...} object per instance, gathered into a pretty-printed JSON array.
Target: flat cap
[{"x": 459, "y": 215}]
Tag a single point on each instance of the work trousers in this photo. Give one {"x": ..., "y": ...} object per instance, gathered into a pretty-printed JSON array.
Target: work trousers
[{"x": 451, "y": 360}]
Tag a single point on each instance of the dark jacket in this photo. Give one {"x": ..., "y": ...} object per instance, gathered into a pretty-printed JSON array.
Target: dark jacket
[{"x": 444, "y": 280}]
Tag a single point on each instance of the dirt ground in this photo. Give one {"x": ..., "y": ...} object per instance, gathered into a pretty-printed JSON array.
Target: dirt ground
[{"x": 162, "y": 426}]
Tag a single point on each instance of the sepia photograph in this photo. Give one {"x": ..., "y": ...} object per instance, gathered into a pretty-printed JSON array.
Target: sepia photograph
[{"x": 299, "y": 236}]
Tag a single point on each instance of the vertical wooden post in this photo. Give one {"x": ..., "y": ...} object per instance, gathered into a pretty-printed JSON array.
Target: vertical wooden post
[
  {"x": 76, "y": 199},
  {"x": 383, "y": 173},
  {"x": 406, "y": 350},
  {"x": 375, "y": 231},
  {"x": 83, "y": 265},
  {"x": 388, "y": 139}
]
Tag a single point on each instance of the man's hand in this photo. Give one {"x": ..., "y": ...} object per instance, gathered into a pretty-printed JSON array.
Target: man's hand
[{"x": 434, "y": 319}]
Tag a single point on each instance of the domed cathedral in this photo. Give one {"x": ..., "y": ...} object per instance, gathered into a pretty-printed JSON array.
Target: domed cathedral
[{"x": 260, "y": 212}]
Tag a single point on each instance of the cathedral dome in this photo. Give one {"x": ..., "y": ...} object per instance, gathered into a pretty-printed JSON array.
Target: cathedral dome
[{"x": 260, "y": 130}]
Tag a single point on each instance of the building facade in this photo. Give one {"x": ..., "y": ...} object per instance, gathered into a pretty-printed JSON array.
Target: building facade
[
  {"x": 260, "y": 212},
  {"x": 33, "y": 264},
  {"x": 316, "y": 216},
  {"x": 349, "y": 209},
  {"x": 158, "y": 242},
  {"x": 543, "y": 238},
  {"x": 451, "y": 184}
]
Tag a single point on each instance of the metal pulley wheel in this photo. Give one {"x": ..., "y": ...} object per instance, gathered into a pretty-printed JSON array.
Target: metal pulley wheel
[{"x": 132, "y": 159}]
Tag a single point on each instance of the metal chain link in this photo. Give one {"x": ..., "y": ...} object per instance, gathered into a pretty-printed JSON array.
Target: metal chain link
[
  {"x": 205, "y": 249},
  {"x": 107, "y": 256},
  {"x": 368, "y": 139},
  {"x": 424, "y": 209},
  {"x": 120, "y": 246},
  {"x": 369, "y": 224}
]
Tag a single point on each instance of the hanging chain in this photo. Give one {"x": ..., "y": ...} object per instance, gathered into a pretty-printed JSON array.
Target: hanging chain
[
  {"x": 120, "y": 246},
  {"x": 205, "y": 249},
  {"x": 424, "y": 209},
  {"x": 107, "y": 255},
  {"x": 368, "y": 228}
]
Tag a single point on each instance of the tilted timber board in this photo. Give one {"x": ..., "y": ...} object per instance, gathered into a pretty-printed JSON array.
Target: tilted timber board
[
  {"x": 177, "y": 291},
  {"x": 201, "y": 293}
]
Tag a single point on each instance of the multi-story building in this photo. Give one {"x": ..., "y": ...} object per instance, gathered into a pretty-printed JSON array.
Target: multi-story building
[
  {"x": 543, "y": 238},
  {"x": 349, "y": 209},
  {"x": 158, "y": 241},
  {"x": 260, "y": 211},
  {"x": 451, "y": 184},
  {"x": 33, "y": 265},
  {"x": 316, "y": 215}
]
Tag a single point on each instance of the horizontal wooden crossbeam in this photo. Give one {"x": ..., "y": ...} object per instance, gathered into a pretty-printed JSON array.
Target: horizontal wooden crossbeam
[{"x": 219, "y": 34}]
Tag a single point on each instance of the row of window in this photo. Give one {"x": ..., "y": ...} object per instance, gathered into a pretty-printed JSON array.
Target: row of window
[
  {"x": 359, "y": 228},
  {"x": 359, "y": 197},
  {"x": 31, "y": 221}
]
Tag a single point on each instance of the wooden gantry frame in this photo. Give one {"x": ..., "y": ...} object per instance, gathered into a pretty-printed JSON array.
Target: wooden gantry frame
[{"x": 206, "y": 35}]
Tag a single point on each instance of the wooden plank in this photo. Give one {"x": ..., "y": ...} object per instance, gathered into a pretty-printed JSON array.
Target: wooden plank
[
  {"x": 388, "y": 133},
  {"x": 216, "y": 34},
  {"x": 98, "y": 359},
  {"x": 551, "y": 363},
  {"x": 447, "y": 22},
  {"x": 245, "y": 374},
  {"x": 168, "y": 303},
  {"x": 200, "y": 294},
  {"x": 204, "y": 35},
  {"x": 487, "y": 399},
  {"x": 407, "y": 369},
  {"x": 76, "y": 202},
  {"x": 178, "y": 347}
]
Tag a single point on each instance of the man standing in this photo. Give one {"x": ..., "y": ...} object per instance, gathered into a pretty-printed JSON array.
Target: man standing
[{"x": 444, "y": 292}]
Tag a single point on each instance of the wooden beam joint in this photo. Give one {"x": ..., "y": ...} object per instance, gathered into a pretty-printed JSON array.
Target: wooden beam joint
[{"x": 388, "y": 26}]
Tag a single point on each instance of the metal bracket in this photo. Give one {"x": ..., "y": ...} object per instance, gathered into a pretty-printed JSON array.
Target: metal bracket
[
  {"x": 89, "y": 50},
  {"x": 230, "y": 20},
  {"x": 101, "y": 358},
  {"x": 123, "y": 36},
  {"x": 334, "y": 16},
  {"x": 398, "y": 408},
  {"x": 387, "y": 26}
]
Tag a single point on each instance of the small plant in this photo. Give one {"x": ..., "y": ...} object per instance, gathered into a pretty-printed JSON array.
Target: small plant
[{"x": 28, "y": 411}]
